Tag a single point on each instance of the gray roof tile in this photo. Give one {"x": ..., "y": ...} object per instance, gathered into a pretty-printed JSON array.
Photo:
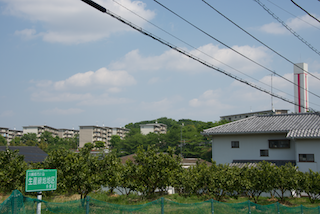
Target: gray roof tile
[{"x": 303, "y": 125}]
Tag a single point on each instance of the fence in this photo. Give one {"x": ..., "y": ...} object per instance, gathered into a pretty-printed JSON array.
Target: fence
[{"x": 17, "y": 203}]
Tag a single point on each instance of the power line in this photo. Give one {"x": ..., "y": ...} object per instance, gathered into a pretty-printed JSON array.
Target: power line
[
  {"x": 293, "y": 14},
  {"x": 232, "y": 48},
  {"x": 104, "y": 10},
  {"x": 286, "y": 26},
  {"x": 305, "y": 11},
  {"x": 256, "y": 38},
  {"x": 198, "y": 49}
]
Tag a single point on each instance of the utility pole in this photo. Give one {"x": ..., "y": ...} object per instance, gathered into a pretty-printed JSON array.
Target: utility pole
[{"x": 181, "y": 141}]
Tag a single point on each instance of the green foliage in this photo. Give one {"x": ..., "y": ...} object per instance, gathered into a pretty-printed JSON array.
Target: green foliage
[
  {"x": 286, "y": 179},
  {"x": 77, "y": 172},
  {"x": 99, "y": 144},
  {"x": 16, "y": 141},
  {"x": 309, "y": 182},
  {"x": 29, "y": 139},
  {"x": 88, "y": 146},
  {"x": 12, "y": 171},
  {"x": 155, "y": 170},
  {"x": 3, "y": 141},
  {"x": 114, "y": 141},
  {"x": 259, "y": 179}
]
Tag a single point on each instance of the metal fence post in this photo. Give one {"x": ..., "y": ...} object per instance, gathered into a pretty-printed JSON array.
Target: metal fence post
[
  {"x": 212, "y": 208},
  {"x": 278, "y": 208},
  {"x": 249, "y": 207},
  {"x": 162, "y": 205},
  {"x": 301, "y": 209},
  {"x": 87, "y": 205}
]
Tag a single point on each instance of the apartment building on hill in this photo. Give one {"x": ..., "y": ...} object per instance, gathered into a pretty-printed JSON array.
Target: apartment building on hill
[
  {"x": 92, "y": 134},
  {"x": 10, "y": 134}
]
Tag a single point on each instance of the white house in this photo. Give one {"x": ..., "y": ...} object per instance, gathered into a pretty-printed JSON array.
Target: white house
[{"x": 275, "y": 138}]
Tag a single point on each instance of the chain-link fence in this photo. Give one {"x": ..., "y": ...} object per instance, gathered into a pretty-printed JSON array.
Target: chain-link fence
[{"x": 17, "y": 203}]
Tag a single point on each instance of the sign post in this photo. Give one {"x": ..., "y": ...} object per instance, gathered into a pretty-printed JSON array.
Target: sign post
[{"x": 39, "y": 180}]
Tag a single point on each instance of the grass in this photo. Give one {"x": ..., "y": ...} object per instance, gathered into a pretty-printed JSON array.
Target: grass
[{"x": 134, "y": 199}]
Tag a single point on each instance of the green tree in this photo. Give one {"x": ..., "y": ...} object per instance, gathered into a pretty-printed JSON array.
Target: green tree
[
  {"x": 286, "y": 180},
  {"x": 12, "y": 171},
  {"x": 88, "y": 145},
  {"x": 29, "y": 139},
  {"x": 99, "y": 144},
  {"x": 77, "y": 172},
  {"x": 3, "y": 141},
  {"x": 16, "y": 141},
  {"x": 259, "y": 179},
  {"x": 309, "y": 182},
  {"x": 115, "y": 142},
  {"x": 155, "y": 170}
]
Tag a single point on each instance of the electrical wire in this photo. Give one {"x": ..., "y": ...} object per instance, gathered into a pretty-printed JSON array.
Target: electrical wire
[
  {"x": 273, "y": 72},
  {"x": 287, "y": 27},
  {"x": 305, "y": 11},
  {"x": 198, "y": 49},
  {"x": 257, "y": 39},
  {"x": 293, "y": 15},
  {"x": 138, "y": 28}
]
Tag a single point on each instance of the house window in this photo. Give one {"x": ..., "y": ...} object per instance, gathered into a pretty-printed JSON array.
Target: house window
[
  {"x": 306, "y": 157},
  {"x": 234, "y": 144},
  {"x": 264, "y": 152},
  {"x": 279, "y": 143}
]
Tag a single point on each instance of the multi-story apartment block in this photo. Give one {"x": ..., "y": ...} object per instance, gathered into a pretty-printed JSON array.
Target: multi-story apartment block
[
  {"x": 10, "y": 134},
  {"x": 67, "y": 133},
  {"x": 121, "y": 132},
  {"x": 92, "y": 134},
  {"x": 157, "y": 128},
  {"x": 234, "y": 117},
  {"x": 38, "y": 130}
]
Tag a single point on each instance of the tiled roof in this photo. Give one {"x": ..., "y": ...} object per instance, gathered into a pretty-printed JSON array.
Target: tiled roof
[
  {"x": 31, "y": 153},
  {"x": 303, "y": 125}
]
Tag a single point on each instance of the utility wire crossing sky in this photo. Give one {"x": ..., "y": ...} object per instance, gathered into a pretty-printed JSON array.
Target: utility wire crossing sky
[{"x": 64, "y": 64}]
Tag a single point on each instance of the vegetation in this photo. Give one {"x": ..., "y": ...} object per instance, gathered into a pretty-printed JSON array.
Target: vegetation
[
  {"x": 152, "y": 172},
  {"x": 182, "y": 135}
]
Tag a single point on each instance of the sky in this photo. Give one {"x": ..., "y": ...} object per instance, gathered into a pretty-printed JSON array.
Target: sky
[{"x": 65, "y": 64}]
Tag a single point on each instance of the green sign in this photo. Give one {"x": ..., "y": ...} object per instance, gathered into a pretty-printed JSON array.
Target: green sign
[{"x": 38, "y": 180}]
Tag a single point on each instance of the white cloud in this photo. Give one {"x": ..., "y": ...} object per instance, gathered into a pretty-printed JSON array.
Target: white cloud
[
  {"x": 57, "y": 111},
  {"x": 172, "y": 60},
  {"x": 163, "y": 105},
  {"x": 27, "y": 33},
  {"x": 211, "y": 99},
  {"x": 73, "y": 21},
  {"x": 101, "y": 78},
  {"x": 295, "y": 23},
  {"x": 153, "y": 80}
]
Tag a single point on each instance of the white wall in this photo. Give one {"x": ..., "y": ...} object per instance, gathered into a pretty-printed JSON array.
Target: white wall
[
  {"x": 86, "y": 135},
  {"x": 30, "y": 130},
  {"x": 249, "y": 148},
  {"x": 145, "y": 129},
  {"x": 308, "y": 146}
]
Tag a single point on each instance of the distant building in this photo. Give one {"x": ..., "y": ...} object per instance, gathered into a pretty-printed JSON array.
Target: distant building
[
  {"x": 234, "y": 117},
  {"x": 121, "y": 132},
  {"x": 157, "y": 128},
  {"x": 38, "y": 130},
  {"x": 67, "y": 133},
  {"x": 10, "y": 134},
  {"x": 91, "y": 134}
]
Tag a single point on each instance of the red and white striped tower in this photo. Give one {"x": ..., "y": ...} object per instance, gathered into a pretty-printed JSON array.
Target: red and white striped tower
[{"x": 301, "y": 97}]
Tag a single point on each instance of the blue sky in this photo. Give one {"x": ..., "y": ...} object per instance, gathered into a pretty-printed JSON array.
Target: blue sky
[{"x": 65, "y": 64}]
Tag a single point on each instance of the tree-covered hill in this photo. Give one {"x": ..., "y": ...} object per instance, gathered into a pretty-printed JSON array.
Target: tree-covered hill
[{"x": 182, "y": 135}]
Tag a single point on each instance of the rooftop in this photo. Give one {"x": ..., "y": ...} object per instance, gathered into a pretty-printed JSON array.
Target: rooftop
[{"x": 300, "y": 125}]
